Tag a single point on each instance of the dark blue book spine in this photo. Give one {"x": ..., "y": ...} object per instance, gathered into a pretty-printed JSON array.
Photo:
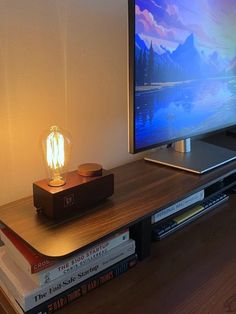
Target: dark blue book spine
[{"x": 72, "y": 294}]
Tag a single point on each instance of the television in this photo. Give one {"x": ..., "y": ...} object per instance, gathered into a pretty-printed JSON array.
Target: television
[{"x": 182, "y": 80}]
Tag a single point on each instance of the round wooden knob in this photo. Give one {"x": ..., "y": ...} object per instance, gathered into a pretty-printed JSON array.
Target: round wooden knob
[{"x": 90, "y": 170}]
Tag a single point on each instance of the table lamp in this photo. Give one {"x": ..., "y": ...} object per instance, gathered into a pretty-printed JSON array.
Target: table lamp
[{"x": 65, "y": 193}]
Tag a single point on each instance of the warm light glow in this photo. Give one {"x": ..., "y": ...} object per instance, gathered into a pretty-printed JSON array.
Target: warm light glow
[
  {"x": 57, "y": 146},
  {"x": 55, "y": 149}
]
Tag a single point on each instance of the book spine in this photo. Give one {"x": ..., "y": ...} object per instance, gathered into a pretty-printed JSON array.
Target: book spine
[
  {"x": 16, "y": 249},
  {"x": 61, "y": 267},
  {"x": 74, "y": 293},
  {"x": 190, "y": 200},
  {"x": 30, "y": 299},
  {"x": 79, "y": 260}
]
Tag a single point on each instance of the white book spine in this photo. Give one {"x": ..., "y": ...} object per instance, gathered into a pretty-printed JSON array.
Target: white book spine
[
  {"x": 188, "y": 201},
  {"x": 70, "y": 264},
  {"x": 28, "y": 299}
]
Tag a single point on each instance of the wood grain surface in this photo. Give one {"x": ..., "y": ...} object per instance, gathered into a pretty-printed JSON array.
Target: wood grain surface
[{"x": 141, "y": 189}]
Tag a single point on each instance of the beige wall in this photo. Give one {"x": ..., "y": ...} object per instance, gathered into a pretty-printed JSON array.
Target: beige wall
[{"x": 61, "y": 62}]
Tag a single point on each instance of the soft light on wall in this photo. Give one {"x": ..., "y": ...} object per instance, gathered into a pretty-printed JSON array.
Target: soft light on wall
[{"x": 61, "y": 62}]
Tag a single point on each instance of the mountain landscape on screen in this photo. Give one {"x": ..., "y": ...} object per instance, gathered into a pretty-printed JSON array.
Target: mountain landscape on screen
[
  {"x": 183, "y": 55},
  {"x": 184, "y": 69}
]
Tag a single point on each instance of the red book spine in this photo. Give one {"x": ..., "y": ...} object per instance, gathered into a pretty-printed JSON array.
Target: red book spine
[{"x": 36, "y": 261}]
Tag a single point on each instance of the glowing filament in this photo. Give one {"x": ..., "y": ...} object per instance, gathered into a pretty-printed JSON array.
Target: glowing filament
[{"x": 55, "y": 150}]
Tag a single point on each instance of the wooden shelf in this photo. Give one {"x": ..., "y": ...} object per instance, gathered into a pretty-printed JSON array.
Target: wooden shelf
[
  {"x": 141, "y": 189},
  {"x": 193, "y": 270}
]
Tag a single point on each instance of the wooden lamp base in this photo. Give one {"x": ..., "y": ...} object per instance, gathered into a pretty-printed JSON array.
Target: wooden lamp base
[{"x": 79, "y": 192}]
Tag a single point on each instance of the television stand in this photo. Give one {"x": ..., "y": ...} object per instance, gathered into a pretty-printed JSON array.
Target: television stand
[
  {"x": 201, "y": 158},
  {"x": 183, "y": 270}
]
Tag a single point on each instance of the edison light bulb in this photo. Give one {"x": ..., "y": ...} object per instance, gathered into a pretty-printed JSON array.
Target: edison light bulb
[{"x": 57, "y": 148}]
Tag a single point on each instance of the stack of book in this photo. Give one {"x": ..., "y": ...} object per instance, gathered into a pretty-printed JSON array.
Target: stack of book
[{"x": 36, "y": 284}]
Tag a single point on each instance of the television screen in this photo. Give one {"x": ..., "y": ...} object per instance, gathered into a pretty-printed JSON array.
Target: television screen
[{"x": 182, "y": 69}]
